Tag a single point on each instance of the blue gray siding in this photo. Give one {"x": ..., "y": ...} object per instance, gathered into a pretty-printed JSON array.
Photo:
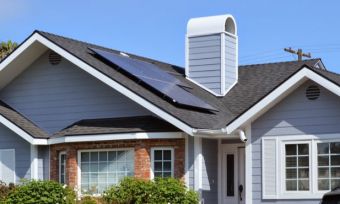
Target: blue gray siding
[
  {"x": 209, "y": 170},
  {"x": 43, "y": 162},
  {"x": 230, "y": 61},
  {"x": 295, "y": 115},
  {"x": 10, "y": 140},
  {"x": 205, "y": 61},
  {"x": 54, "y": 97}
]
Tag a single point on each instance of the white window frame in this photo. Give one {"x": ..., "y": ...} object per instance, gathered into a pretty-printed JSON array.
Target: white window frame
[
  {"x": 314, "y": 193},
  {"x": 60, "y": 154},
  {"x": 98, "y": 150},
  {"x": 316, "y": 161},
  {"x": 14, "y": 166},
  {"x": 283, "y": 169},
  {"x": 153, "y": 149}
]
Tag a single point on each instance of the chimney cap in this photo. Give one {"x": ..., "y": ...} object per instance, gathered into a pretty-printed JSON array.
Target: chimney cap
[{"x": 211, "y": 25}]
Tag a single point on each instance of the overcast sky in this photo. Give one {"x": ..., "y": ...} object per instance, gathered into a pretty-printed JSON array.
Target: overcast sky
[{"x": 156, "y": 28}]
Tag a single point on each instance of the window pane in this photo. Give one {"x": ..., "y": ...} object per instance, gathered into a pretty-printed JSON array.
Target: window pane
[
  {"x": 303, "y": 161},
  {"x": 103, "y": 156},
  {"x": 291, "y": 185},
  {"x": 335, "y": 160},
  {"x": 335, "y": 147},
  {"x": 291, "y": 150},
  {"x": 167, "y": 166},
  {"x": 121, "y": 156},
  {"x": 129, "y": 155},
  {"x": 323, "y": 160},
  {"x": 230, "y": 175},
  {"x": 85, "y": 177},
  {"x": 158, "y": 154},
  {"x": 112, "y": 178},
  {"x": 303, "y": 185},
  {"x": 85, "y": 156},
  {"x": 323, "y": 184},
  {"x": 94, "y": 167},
  {"x": 335, "y": 172},
  {"x": 112, "y": 156},
  {"x": 167, "y": 174},
  {"x": 291, "y": 173},
  {"x": 158, "y": 166},
  {"x": 324, "y": 172},
  {"x": 166, "y": 155},
  {"x": 85, "y": 167},
  {"x": 121, "y": 166},
  {"x": 323, "y": 148},
  {"x": 102, "y": 178},
  {"x": 94, "y": 156},
  {"x": 303, "y": 173},
  {"x": 291, "y": 162},
  {"x": 303, "y": 149},
  {"x": 335, "y": 183}
]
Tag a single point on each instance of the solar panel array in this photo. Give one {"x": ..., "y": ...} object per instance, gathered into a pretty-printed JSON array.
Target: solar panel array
[{"x": 153, "y": 76}]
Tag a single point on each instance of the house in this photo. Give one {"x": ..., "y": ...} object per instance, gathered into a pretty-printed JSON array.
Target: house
[{"x": 87, "y": 116}]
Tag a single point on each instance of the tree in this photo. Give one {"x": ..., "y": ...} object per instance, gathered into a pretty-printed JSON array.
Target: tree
[{"x": 6, "y": 48}]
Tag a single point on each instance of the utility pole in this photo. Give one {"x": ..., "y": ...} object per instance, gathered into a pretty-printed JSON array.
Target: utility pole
[{"x": 299, "y": 53}]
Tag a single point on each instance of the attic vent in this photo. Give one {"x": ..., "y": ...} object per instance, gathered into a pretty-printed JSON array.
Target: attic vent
[
  {"x": 54, "y": 58},
  {"x": 313, "y": 92}
]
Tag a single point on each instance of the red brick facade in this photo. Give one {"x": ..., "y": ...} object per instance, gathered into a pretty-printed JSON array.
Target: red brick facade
[{"x": 142, "y": 150}]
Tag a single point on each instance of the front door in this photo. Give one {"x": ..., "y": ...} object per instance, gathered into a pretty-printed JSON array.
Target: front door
[{"x": 233, "y": 174}]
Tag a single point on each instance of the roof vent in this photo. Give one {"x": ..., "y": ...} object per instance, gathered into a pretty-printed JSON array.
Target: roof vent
[
  {"x": 313, "y": 92},
  {"x": 54, "y": 58},
  {"x": 124, "y": 54}
]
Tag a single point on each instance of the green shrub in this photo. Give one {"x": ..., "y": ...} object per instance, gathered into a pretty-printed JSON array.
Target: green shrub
[
  {"x": 136, "y": 191},
  {"x": 87, "y": 200},
  {"x": 41, "y": 192},
  {"x": 5, "y": 190}
]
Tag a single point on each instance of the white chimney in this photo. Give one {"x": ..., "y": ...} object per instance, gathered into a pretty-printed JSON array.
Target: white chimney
[{"x": 212, "y": 53}]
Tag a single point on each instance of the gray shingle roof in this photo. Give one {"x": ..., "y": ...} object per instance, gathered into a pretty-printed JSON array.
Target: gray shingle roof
[
  {"x": 117, "y": 125},
  {"x": 255, "y": 82}
]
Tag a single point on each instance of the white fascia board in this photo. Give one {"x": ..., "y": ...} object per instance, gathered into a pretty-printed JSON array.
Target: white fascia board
[
  {"x": 280, "y": 92},
  {"x": 124, "y": 136},
  {"x": 113, "y": 84}
]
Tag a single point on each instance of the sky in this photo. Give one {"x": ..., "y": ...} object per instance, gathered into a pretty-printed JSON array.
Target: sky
[{"x": 157, "y": 28}]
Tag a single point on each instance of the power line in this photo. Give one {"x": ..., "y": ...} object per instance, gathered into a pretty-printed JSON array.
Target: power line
[{"x": 298, "y": 52}]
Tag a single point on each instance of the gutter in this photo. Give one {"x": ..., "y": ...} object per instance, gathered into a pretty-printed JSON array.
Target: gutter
[{"x": 219, "y": 133}]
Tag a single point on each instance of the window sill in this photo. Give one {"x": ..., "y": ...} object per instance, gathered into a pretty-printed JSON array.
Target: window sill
[{"x": 295, "y": 196}]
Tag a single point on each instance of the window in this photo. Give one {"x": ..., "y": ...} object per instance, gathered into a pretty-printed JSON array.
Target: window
[
  {"x": 62, "y": 167},
  {"x": 297, "y": 167},
  {"x": 7, "y": 165},
  {"x": 328, "y": 166},
  {"x": 101, "y": 169},
  {"x": 162, "y": 162}
]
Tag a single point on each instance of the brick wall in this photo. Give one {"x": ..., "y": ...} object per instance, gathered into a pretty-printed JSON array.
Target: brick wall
[{"x": 142, "y": 161}]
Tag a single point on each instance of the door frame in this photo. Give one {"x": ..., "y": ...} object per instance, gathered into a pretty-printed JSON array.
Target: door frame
[{"x": 221, "y": 168}]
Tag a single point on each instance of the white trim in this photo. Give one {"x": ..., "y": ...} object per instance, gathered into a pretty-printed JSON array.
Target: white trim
[
  {"x": 264, "y": 195},
  {"x": 279, "y": 93},
  {"x": 34, "y": 162},
  {"x": 198, "y": 162},
  {"x": 248, "y": 167},
  {"x": 219, "y": 171},
  {"x": 95, "y": 150},
  {"x": 186, "y": 162},
  {"x": 59, "y": 166},
  {"x": 152, "y": 167},
  {"x": 122, "y": 136},
  {"x": 187, "y": 71}
]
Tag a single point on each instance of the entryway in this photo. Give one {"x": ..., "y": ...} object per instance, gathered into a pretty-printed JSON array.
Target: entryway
[{"x": 233, "y": 174}]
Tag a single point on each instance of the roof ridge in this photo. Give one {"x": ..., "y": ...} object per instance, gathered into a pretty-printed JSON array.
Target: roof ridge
[{"x": 281, "y": 62}]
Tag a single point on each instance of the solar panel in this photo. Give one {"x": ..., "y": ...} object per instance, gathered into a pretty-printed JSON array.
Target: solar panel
[
  {"x": 139, "y": 68},
  {"x": 160, "y": 81}
]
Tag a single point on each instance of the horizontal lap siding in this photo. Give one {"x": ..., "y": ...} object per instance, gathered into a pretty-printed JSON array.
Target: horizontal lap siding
[
  {"x": 10, "y": 140},
  {"x": 54, "y": 97},
  {"x": 295, "y": 115},
  {"x": 209, "y": 170},
  {"x": 205, "y": 61},
  {"x": 230, "y": 61}
]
